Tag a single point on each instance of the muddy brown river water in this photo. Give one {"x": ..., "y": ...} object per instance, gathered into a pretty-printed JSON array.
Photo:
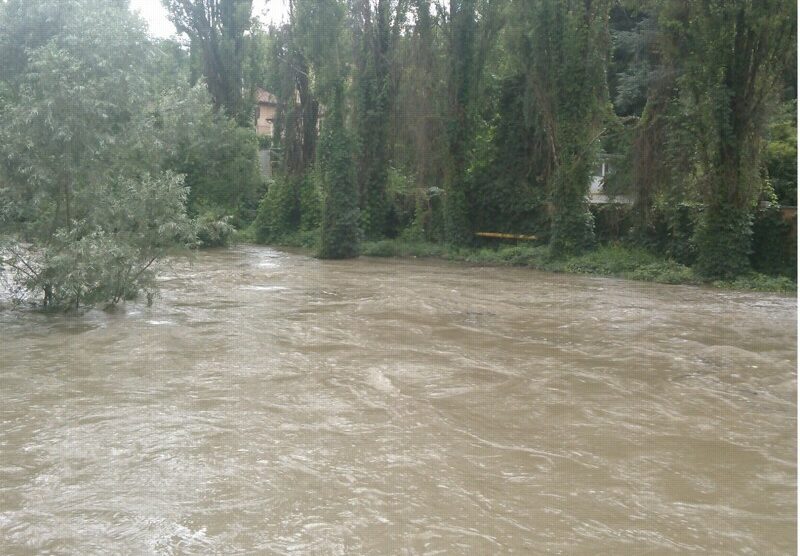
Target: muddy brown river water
[{"x": 271, "y": 403}]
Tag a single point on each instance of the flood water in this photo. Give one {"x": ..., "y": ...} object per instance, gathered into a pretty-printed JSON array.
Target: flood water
[{"x": 271, "y": 403}]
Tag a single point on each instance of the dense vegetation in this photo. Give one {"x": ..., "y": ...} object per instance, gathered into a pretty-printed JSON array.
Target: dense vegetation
[
  {"x": 399, "y": 122},
  {"x": 109, "y": 158},
  {"x": 471, "y": 115}
]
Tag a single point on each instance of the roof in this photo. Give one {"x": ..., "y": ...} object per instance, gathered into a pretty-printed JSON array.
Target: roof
[{"x": 265, "y": 97}]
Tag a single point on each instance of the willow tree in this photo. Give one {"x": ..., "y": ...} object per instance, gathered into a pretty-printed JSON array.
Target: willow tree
[
  {"x": 85, "y": 210},
  {"x": 733, "y": 55},
  {"x": 562, "y": 49}
]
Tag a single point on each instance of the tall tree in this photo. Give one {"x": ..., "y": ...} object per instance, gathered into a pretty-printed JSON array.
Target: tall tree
[
  {"x": 320, "y": 31},
  {"x": 216, "y": 30},
  {"x": 471, "y": 28},
  {"x": 373, "y": 36},
  {"x": 562, "y": 48},
  {"x": 462, "y": 32},
  {"x": 734, "y": 55}
]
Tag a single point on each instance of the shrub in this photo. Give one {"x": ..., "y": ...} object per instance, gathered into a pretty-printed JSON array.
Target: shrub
[
  {"x": 213, "y": 229},
  {"x": 774, "y": 247},
  {"x": 610, "y": 260},
  {"x": 665, "y": 272},
  {"x": 723, "y": 238},
  {"x": 109, "y": 254},
  {"x": 759, "y": 282}
]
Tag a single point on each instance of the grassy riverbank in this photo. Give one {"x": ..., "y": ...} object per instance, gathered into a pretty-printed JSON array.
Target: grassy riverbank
[{"x": 607, "y": 260}]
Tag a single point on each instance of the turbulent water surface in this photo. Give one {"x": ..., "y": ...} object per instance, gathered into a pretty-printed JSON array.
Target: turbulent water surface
[{"x": 271, "y": 403}]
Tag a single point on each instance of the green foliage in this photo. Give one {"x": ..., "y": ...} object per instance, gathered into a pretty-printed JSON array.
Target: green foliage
[
  {"x": 507, "y": 177},
  {"x": 217, "y": 32},
  {"x": 611, "y": 260},
  {"x": 218, "y": 158},
  {"x": 732, "y": 55},
  {"x": 456, "y": 210},
  {"x": 340, "y": 216},
  {"x": 612, "y": 222},
  {"x": 774, "y": 246},
  {"x": 723, "y": 242},
  {"x": 666, "y": 272},
  {"x": 464, "y": 69},
  {"x": 632, "y": 65},
  {"x": 572, "y": 225},
  {"x": 372, "y": 96},
  {"x": 109, "y": 253},
  {"x": 759, "y": 282},
  {"x": 780, "y": 154},
  {"x": 213, "y": 229},
  {"x": 291, "y": 204},
  {"x": 562, "y": 48},
  {"x": 672, "y": 231},
  {"x": 395, "y": 248},
  {"x": 608, "y": 260},
  {"x": 87, "y": 209}
]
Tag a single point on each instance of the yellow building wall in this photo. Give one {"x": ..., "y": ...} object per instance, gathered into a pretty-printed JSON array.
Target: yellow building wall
[{"x": 265, "y": 116}]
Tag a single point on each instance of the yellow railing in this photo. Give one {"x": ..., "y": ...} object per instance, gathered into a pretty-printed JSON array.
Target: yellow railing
[{"x": 498, "y": 235}]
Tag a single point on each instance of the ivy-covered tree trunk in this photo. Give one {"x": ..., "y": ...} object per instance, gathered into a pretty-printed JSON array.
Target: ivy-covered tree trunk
[
  {"x": 372, "y": 115},
  {"x": 572, "y": 225},
  {"x": 562, "y": 48},
  {"x": 340, "y": 214},
  {"x": 460, "y": 125},
  {"x": 733, "y": 54}
]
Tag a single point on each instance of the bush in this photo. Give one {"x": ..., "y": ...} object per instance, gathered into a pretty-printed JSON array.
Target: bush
[
  {"x": 290, "y": 205},
  {"x": 612, "y": 222},
  {"x": 723, "y": 238},
  {"x": 218, "y": 158},
  {"x": 610, "y": 260},
  {"x": 399, "y": 248},
  {"x": 672, "y": 230},
  {"x": 665, "y": 272},
  {"x": 774, "y": 246},
  {"x": 759, "y": 282},
  {"x": 109, "y": 254},
  {"x": 213, "y": 229}
]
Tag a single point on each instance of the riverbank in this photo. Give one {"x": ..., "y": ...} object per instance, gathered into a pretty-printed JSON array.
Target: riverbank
[{"x": 607, "y": 260}]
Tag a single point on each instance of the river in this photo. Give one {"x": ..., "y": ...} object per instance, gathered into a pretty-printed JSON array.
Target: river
[{"x": 272, "y": 403}]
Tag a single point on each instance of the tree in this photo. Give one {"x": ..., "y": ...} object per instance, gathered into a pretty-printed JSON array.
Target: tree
[
  {"x": 319, "y": 26},
  {"x": 216, "y": 31},
  {"x": 461, "y": 105},
  {"x": 86, "y": 209},
  {"x": 372, "y": 108},
  {"x": 472, "y": 26},
  {"x": 417, "y": 122},
  {"x": 217, "y": 158},
  {"x": 340, "y": 214},
  {"x": 734, "y": 55},
  {"x": 562, "y": 49}
]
